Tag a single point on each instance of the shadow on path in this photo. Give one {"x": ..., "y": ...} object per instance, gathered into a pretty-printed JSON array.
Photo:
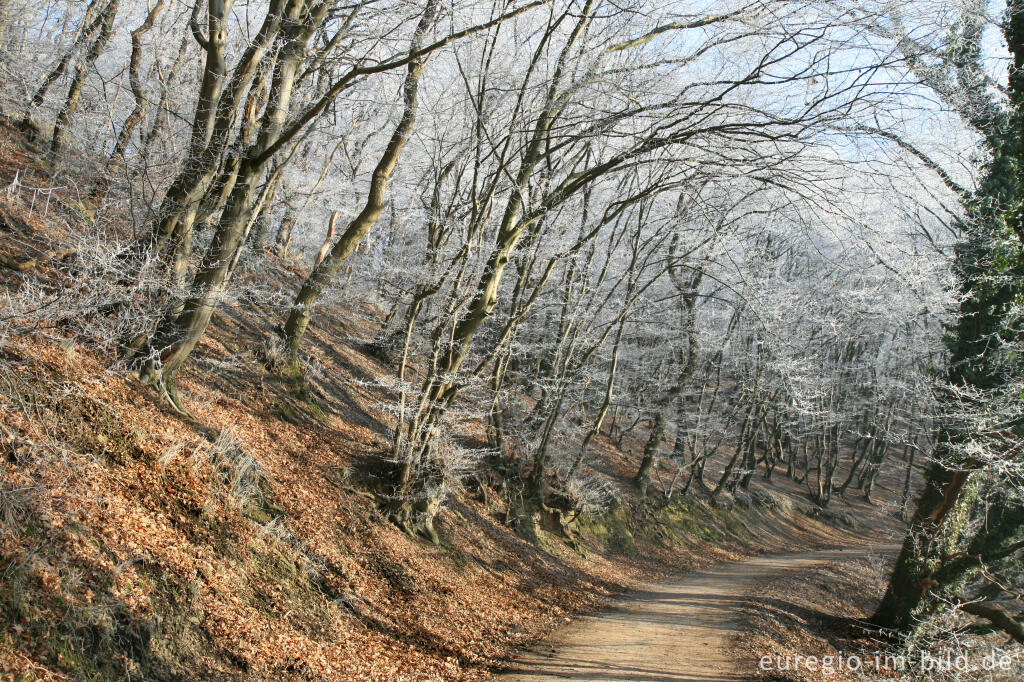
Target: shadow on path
[{"x": 679, "y": 631}]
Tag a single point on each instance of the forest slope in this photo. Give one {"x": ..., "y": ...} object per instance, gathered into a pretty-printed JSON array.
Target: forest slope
[{"x": 244, "y": 544}]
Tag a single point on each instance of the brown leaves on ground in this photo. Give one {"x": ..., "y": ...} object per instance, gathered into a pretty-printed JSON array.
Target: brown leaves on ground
[
  {"x": 126, "y": 550},
  {"x": 820, "y": 613}
]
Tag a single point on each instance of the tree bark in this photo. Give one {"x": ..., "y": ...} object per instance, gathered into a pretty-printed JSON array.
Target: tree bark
[
  {"x": 178, "y": 333},
  {"x": 911, "y": 578},
  {"x": 116, "y": 157},
  {"x": 90, "y": 25},
  {"x": 302, "y": 308},
  {"x": 326, "y": 246},
  {"x": 67, "y": 112}
]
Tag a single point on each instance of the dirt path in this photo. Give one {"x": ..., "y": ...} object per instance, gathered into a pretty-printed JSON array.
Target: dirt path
[{"x": 679, "y": 631}]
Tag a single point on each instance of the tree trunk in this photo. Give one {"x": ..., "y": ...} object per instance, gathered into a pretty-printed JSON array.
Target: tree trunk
[
  {"x": 284, "y": 232},
  {"x": 215, "y": 117},
  {"x": 688, "y": 299},
  {"x": 650, "y": 458},
  {"x": 124, "y": 137},
  {"x": 67, "y": 112},
  {"x": 302, "y": 308},
  {"x": 90, "y": 26},
  {"x": 326, "y": 246},
  {"x": 177, "y": 334},
  {"x": 442, "y": 387},
  {"x": 912, "y": 447},
  {"x": 924, "y": 549},
  {"x": 605, "y": 403}
]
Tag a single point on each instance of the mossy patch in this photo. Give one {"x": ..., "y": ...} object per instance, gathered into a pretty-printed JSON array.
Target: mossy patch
[
  {"x": 694, "y": 518},
  {"x": 613, "y": 528}
]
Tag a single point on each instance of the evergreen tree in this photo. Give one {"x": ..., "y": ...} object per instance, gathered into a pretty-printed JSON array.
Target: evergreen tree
[{"x": 945, "y": 553}]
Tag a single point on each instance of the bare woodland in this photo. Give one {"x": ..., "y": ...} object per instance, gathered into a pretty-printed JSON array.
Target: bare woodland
[{"x": 767, "y": 238}]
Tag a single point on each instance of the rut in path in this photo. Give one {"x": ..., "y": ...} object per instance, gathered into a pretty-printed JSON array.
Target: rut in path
[{"x": 677, "y": 631}]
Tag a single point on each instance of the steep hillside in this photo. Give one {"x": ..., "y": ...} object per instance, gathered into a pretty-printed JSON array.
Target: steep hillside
[{"x": 246, "y": 543}]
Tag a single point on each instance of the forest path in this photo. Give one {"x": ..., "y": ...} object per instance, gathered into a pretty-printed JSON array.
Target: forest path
[{"x": 676, "y": 631}]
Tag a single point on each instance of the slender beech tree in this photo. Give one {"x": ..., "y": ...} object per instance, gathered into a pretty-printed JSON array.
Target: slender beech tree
[{"x": 328, "y": 266}]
